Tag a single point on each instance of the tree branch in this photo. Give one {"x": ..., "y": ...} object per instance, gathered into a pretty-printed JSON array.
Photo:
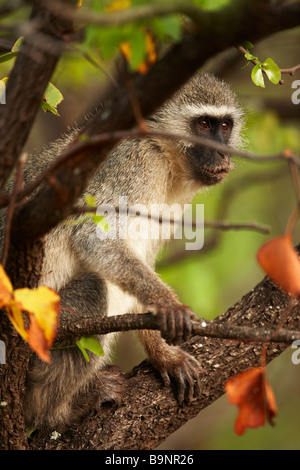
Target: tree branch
[
  {"x": 147, "y": 321},
  {"x": 130, "y": 426},
  {"x": 23, "y": 96},
  {"x": 129, "y": 15}
]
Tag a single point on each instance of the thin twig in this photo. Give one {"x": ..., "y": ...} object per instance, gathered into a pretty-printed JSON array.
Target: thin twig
[
  {"x": 289, "y": 71},
  {"x": 97, "y": 140},
  {"x": 217, "y": 224},
  {"x": 201, "y": 327}
]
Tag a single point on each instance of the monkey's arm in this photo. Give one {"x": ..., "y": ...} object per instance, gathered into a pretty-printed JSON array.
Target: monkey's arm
[
  {"x": 118, "y": 264},
  {"x": 114, "y": 261}
]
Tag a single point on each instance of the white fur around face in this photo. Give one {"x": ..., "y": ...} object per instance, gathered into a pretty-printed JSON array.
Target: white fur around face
[
  {"x": 220, "y": 112},
  {"x": 212, "y": 110}
]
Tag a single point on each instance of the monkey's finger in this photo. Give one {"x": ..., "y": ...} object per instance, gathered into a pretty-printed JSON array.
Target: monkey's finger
[
  {"x": 190, "y": 385},
  {"x": 162, "y": 323},
  {"x": 187, "y": 327},
  {"x": 180, "y": 387},
  {"x": 179, "y": 327},
  {"x": 165, "y": 377},
  {"x": 172, "y": 325}
]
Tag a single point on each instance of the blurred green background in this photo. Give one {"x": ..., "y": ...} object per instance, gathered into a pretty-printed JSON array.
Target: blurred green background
[{"x": 212, "y": 280}]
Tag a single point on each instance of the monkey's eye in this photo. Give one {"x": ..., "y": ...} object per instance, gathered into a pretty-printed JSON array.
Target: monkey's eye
[
  {"x": 204, "y": 124},
  {"x": 225, "y": 126}
]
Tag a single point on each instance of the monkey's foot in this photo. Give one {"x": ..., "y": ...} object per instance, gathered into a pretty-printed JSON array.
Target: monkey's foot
[
  {"x": 182, "y": 369},
  {"x": 175, "y": 321},
  {"x": 113, "y": 384}
]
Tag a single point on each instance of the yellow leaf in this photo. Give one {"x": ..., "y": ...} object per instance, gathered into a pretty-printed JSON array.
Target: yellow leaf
[
  {"x": 6, "y": 289},
  {"x": 43, "y": 305},
  {"x": 125, "y": 48},
  {"x": 150, "y": 48},
  {"x": 16, "y": 317},
  {"x": 118, "y": 5}
]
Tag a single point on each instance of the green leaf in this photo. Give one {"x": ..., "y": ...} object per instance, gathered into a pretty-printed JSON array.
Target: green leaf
[
  {"x": 167, "y": 27},
  {"x": 90, "y": 200},
  {"x": 46, "y": 107},
  {"x": 86, "y": 357},
  {"x": 17, "y": 44},
  {"x": 257, "y": 76},
  {"x": 251, "y": 57},
  {"x": 97, "y": 219},
  {"x": 52, "y": 98},
  {"x": 272, "y": 70},
  {"x": 137, "y": 39},
  {"x": 102, "y": 223},
  {"x": 52, "y": 95},
  {"x": 247, "y": 45},
  {"x": 91, "y": 344},
  {"x": 7, "y": 56}
]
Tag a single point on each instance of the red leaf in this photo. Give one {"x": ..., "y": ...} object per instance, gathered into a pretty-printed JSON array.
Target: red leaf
[
  {"x": 252, "y": 393},
  {"x": 281, "y": 263}
]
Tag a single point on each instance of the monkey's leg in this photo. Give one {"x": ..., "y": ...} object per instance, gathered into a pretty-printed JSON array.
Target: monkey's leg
[
  {"x": 53, "y": 390},
  {"x": 173, "y": 364}
]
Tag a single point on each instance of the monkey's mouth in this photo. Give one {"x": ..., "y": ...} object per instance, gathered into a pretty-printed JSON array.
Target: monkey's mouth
[{"x": 214, "y": 175}]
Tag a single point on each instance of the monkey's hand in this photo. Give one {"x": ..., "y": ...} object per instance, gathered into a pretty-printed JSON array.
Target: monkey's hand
[{"x": 175, "y": 321}]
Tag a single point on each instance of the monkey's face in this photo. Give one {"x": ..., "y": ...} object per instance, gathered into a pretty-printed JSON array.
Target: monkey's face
[{"x": 208, "y": 165}]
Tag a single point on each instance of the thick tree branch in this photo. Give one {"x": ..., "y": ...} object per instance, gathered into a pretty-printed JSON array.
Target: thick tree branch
[
  {"x": 129, "y": 15},
  {"x": 26, "y": 86},
  {"x": 129, "y": 427}
]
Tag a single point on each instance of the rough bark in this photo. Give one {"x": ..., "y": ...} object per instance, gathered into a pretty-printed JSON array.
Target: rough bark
[
  {"x": 23, "y": 267},
  {"x": 28, "y": 80},
  {"x": 158, "y": 414}
]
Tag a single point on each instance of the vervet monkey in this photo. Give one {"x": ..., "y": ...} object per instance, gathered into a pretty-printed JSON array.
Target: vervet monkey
[{"x": 102, "y": 277}]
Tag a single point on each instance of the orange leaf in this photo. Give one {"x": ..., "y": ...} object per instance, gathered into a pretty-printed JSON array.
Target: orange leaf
[
  {"x": 151, "y": 55},
  {"x": 281, "y": 263},
  {"x": 37, "y": 340},
  {"x": 252, "y": 393}
]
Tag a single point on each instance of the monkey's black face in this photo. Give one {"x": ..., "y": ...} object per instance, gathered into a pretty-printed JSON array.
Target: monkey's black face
[{"x": 208, "y": 165}]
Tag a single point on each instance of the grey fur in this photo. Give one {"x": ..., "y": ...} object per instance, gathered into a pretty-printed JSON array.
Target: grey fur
[{"x": 111, "y": 277}]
